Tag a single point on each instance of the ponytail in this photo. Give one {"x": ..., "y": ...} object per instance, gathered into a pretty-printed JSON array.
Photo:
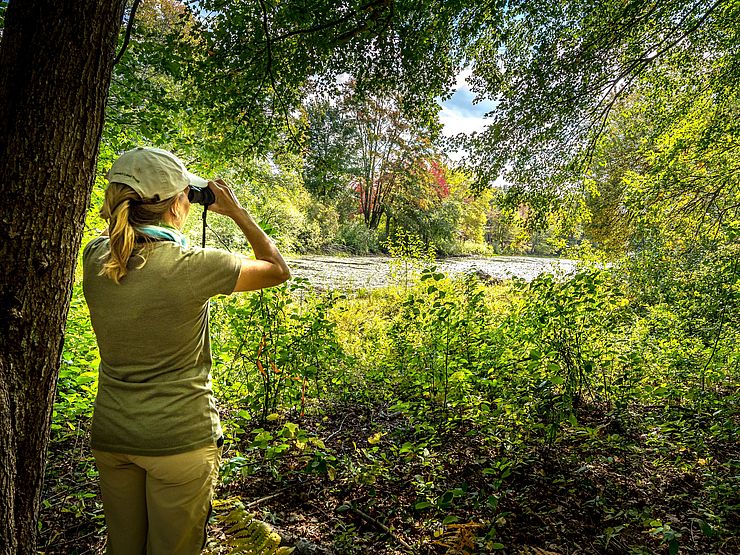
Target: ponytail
[{"x": 125, "y": 210}]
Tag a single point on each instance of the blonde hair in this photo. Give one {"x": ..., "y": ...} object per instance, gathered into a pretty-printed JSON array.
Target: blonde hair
[{"x": 124, "y": 209}]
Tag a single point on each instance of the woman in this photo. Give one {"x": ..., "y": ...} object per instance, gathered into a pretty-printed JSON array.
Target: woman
[{"x": 156, "y": 435}]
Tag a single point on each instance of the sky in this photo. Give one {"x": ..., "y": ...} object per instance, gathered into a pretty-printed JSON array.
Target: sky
[{"x": 460, "y": 115}]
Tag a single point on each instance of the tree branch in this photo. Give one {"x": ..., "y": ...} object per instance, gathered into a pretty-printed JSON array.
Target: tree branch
[
  {"x": 129, "y": 27},
  {"x": 276, "y": 95},
  {"x": 630, "y": 73},
  {"x": 330, "y": 24}
]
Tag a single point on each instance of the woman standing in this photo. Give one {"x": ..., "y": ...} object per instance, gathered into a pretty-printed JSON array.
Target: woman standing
[{"x": 156, "y": 435}]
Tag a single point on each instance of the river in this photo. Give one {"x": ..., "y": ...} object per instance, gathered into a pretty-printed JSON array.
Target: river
[{"x": 370, "y": 272}]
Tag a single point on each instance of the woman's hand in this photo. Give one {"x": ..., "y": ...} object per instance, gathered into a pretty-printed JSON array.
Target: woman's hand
[
  {"x": 269, "y": 269},
  {"x": 226, "y": 202}
]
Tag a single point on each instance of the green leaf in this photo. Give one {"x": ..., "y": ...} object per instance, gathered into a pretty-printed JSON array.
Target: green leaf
[
  {"x": 706, "y": 529},
  {"x": 289, "y": 430},
  {"x": 446, "y": 498}
]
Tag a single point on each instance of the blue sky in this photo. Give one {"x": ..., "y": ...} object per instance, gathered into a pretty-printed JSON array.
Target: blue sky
[{"x": 460, "y": 115}]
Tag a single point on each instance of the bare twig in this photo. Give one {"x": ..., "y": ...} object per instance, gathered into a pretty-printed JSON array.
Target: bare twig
[
  {"x": 634, "y": 70},
  {"x": 276, "y": 95},
  {"x": 719, "y": 330},
  {"x": 331, "y": 435},
  {"x": 332, "y": 23},
  {"x": 266, "y": 498}
]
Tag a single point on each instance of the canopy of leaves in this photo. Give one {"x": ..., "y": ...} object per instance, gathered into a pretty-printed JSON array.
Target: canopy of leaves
[
  {"x": 667, "y": 161},
  {"x": 556, "y": 71},
  {"x": 257, "y": 58},
  {"x": 594, "y": 94}
]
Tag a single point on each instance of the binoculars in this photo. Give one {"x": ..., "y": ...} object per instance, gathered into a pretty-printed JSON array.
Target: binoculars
[{"x": 201, "y": 195}]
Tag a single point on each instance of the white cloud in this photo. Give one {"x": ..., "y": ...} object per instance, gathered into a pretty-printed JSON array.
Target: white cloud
[
  {"x": 457, "y": 121},
  {"x": 461, "y": 81},
  {"x": 459, "y": 114}
]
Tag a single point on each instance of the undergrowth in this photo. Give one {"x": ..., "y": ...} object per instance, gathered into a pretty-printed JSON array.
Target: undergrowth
[{"x": 452, "y": 416}]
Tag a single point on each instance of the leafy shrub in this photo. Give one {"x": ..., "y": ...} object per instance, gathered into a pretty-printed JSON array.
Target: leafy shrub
[
  {"x": 354, "y": 237},
  {"x": 320, "y": 228},
  {"x": 275, "y": 347}
]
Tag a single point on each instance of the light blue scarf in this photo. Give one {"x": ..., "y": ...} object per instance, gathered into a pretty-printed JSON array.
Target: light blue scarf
[{"x": 166, "y": 233}]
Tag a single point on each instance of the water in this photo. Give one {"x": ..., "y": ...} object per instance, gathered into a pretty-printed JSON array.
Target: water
[{"x": 370, "y": 272}]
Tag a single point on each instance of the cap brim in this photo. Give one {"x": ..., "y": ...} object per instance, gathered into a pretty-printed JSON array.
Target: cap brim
[{"x": 196, "y": 181}]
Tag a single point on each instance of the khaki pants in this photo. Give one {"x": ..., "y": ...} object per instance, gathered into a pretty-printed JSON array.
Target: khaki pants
[{"x": 157, "y": 505}]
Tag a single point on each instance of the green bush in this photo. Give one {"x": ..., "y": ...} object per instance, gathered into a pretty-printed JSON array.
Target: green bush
[{"x": 354, "y": 237}]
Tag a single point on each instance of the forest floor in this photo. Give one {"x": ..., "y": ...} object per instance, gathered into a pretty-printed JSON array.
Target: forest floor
[{"x": 651, "y": 481}]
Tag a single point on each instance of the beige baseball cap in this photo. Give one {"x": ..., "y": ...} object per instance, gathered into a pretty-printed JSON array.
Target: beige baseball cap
[{"x": 153, "y": 173}]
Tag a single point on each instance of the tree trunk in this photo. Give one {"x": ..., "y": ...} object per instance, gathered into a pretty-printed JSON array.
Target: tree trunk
[{"x": 56, "y": 60}]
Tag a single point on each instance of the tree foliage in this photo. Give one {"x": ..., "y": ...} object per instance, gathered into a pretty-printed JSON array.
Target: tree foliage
[
  {"x": 556, "y": 72},
  {"x": 257, "y": 58},
  {"x": 329, "y": 157}
]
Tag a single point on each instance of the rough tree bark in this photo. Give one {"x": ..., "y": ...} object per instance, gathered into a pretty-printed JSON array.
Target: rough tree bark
[{"x": 56, "y": 60}]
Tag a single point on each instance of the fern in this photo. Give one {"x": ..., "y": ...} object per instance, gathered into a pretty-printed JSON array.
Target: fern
[
  {"x": 459, "y": 539},
  {"x": 245, "y": 534}
]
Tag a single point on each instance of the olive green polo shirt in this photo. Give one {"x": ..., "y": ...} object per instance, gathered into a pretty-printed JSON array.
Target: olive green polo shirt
[{"x": 154, "y": 389}]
